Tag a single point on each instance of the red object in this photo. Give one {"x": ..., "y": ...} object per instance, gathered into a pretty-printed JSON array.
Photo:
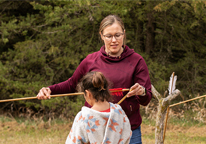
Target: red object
[
  {"x": 116, "y": 92},
  {"x": 107, "y": 110}
]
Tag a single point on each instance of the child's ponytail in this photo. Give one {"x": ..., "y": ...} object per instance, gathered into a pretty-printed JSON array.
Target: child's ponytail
[{"x": 97, "y": 84}]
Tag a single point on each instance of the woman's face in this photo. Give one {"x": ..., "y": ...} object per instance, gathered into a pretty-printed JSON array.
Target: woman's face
[{"x": 113, "y": 37}]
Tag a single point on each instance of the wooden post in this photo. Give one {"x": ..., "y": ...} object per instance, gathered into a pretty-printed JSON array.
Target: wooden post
[{"x": 165, "y": 127}]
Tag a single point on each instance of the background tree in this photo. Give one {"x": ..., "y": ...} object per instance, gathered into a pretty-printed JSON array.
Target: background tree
[{"x": 42, "y": 43}]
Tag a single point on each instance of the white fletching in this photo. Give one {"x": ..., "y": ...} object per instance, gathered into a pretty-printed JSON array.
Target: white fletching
[{"x": 172, "y": 84}]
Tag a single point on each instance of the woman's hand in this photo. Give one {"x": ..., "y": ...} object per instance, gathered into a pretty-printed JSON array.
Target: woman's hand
[
  {"x": 136, "y": 89},
  {"x": 44, "y": 93}
]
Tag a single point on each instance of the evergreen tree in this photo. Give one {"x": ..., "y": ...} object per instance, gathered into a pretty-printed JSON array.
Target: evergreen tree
[{"x": 43, "y": 42}]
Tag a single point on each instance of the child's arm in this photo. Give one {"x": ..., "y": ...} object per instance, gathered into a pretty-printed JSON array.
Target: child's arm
[
  {"x": 127, "y": 132},
  {"x": 78, "y": 132}
]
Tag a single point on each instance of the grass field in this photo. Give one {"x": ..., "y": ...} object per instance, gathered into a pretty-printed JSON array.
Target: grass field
[
  {"x": 176, "y": 134},
  {"x": 23, "y": 131}
]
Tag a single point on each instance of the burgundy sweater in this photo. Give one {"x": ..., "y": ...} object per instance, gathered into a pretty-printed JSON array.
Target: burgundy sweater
[{"x": 122, "y": 72}]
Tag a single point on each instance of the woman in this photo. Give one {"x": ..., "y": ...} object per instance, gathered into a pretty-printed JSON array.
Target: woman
[
  {"x": 122, "y": 66},
  {"x": 104, "y": 122}
]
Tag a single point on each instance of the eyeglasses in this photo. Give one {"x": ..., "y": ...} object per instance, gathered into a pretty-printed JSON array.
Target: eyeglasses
[{"x": 117, "y": 36}]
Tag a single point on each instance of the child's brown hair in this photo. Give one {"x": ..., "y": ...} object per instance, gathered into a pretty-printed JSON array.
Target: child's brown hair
[{"x": 97, "y": 84}]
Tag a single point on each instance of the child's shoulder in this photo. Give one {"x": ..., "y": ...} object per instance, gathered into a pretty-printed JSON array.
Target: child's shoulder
[
  {"x": 79, "y": 117},
  {"x": 115, "y": 106},
  {"x": 83, "y": 114}
]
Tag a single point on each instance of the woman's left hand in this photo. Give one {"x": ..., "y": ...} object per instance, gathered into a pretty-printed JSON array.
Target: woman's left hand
[{"x": 136, "y": 89}]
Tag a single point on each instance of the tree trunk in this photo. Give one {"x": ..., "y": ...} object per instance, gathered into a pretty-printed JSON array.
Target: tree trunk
[
  {"x": 140, "y": 36},
  {"x": 150, "y": 34},
  {"x": 160, "y": 118}
]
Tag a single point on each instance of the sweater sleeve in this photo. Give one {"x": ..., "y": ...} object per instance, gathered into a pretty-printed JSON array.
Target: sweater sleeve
[
  {"x": 77, "y": 133},
  {"x": 69, "y": 85},
  {"x": 142, "y": 77}
]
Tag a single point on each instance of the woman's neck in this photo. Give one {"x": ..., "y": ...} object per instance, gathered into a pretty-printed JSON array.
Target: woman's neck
[
  {"x": 116, "y": 54},
  {"x": 100, "y": 106}
]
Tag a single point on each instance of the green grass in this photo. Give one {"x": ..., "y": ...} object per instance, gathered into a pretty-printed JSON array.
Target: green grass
[
  {"x": 4, "y": 119},
  {"x": 185, "y": 123},
  {"x": 147, "y": 121}
]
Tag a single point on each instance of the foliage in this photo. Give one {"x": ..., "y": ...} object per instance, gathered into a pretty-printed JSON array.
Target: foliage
[
  {"x": 42, "y": 43},
  {"x": 182, "y": 43}
]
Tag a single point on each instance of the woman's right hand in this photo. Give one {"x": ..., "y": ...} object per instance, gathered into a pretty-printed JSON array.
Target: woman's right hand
[{"x": 44, "y": 93}]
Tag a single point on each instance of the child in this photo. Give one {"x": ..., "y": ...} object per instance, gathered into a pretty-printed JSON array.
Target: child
[{"x": 104, "y": 122}]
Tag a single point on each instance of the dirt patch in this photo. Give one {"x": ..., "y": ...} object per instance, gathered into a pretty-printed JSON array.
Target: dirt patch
[{"x": 146, "y": 129}]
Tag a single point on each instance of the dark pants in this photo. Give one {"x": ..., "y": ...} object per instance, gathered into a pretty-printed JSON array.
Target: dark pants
[{"x": 136, "y": 136}]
